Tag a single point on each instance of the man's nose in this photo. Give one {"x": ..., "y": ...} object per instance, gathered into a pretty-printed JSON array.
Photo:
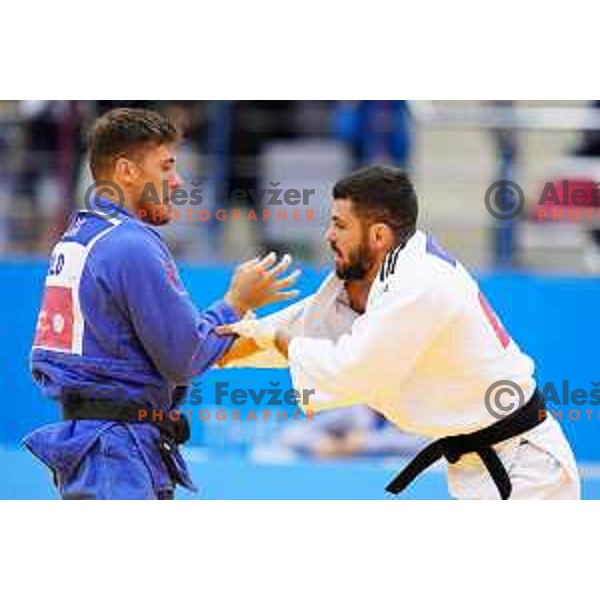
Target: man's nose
[
  {"x": 175, "y": 181},
  {"x": 329, "y": 235}
]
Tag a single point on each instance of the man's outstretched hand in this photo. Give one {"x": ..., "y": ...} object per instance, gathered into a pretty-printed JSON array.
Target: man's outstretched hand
[
  {"x": 257, "y": 283},
  {"x": 262, "y": 334}
]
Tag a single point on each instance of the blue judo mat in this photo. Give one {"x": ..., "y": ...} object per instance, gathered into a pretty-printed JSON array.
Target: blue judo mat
[{"x": 219, "y": 479}]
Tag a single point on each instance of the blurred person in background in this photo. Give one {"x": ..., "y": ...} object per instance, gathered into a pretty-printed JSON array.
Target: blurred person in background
[
  {"x": 573, "y": 184},
  {"x": 587, "y": 152},
  {"x": 49, "y": 153},
  {"x": 352, "y": 432},
  {"x": 253, "y": 125},
  {"x": 377, "y": 131}
]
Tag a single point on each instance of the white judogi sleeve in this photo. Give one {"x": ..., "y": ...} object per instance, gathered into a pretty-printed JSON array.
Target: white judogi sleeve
[
  {"x": 324, "y": 314},
  {"x": 368, "y": 364}
]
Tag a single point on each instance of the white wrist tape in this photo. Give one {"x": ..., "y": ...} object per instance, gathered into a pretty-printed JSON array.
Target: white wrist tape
[{"x": 262, "y": 333}]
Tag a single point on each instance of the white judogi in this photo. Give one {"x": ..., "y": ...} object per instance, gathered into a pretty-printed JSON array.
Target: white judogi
[{"x": 424, "y": 354}]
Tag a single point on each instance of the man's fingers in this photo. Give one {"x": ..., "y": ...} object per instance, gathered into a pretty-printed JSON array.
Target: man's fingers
[
  {"x": 289, "y": 280},
  {"x": 285, "y": 295},
  {"x": 268, "y": 260},
  {"x": 280, "y": 267}
]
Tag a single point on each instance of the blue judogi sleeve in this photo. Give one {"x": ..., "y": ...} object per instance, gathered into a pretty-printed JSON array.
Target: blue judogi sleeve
[{"x": 180, "y": 340}]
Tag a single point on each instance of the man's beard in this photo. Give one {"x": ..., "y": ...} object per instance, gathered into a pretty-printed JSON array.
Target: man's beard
[
  {"x": 154, "y": 214},
  {"x": 360, "y": 262}
]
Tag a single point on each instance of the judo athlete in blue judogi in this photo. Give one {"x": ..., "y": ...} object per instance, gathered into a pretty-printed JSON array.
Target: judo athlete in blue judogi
[{"x": 117, "y": 331}]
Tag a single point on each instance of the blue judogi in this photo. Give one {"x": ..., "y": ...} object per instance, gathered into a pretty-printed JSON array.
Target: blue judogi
[{"x": 117, "y": 323}]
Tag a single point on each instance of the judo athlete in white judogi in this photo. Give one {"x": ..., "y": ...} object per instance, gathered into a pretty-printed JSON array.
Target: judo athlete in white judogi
[
  {"x": 418, "y": 342},
  {"x": 325, "y": 314}
]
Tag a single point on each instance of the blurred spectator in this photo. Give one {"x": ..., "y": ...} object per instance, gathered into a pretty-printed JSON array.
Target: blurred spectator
[
  {"x": 253, "y": 125},
  {"x": 589, "y": 141},
  {"x": 49, "y": 153},
  {"x": 576, "y": 185},
  {"x": 357, "y": 431},
  {"x": 378, "y": 131},
  {"x": 589, "y": 147}
]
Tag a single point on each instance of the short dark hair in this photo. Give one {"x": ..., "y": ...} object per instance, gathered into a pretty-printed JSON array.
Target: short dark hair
[
  {"x": 382, "y": 193},
  {"x": 123, "y": 131}
]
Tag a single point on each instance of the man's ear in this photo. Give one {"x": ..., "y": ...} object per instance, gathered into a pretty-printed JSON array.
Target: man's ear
[
  {"x": 124, "y": 170},
  {"x": 382, "y": 236}
]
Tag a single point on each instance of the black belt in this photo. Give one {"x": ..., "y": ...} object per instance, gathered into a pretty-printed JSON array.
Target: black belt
[
  {"x": 453, "y": 447},
  {"x": 76, "y": 408}
]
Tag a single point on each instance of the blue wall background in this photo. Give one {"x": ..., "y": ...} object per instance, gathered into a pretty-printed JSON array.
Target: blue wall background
[{"x": 552, "y": 318}]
